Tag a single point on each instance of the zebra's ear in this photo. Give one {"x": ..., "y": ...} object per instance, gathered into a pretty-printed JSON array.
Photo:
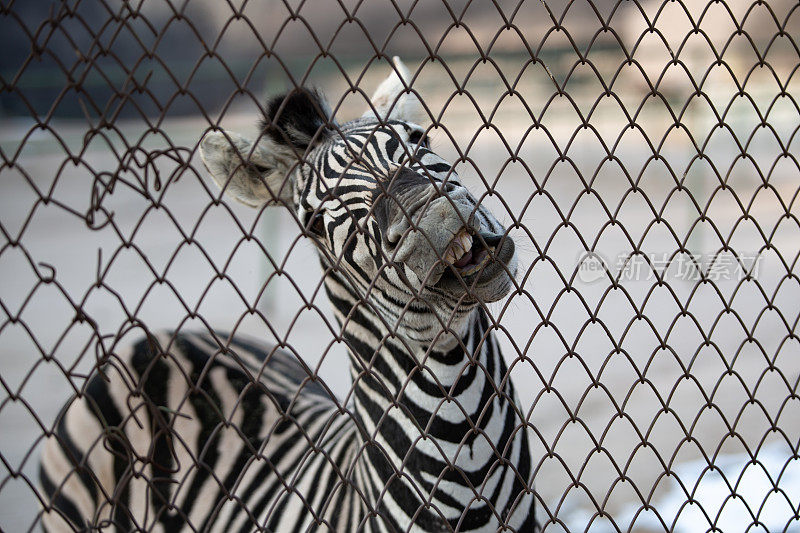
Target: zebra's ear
[
  {"x": 260, "y": 172},
  {"x": 393, "y": 100},
  {"x": 296, "y": 120},
  {"x": 254, "y": 173}
]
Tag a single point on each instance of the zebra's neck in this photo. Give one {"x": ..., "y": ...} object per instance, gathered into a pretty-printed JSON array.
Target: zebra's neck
[
  {"x": 439, "y": 426},
  {"x": 403, "y": 371}
]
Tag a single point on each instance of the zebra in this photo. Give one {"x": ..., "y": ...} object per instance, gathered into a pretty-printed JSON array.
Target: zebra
[{"x": 210, "y": 431}]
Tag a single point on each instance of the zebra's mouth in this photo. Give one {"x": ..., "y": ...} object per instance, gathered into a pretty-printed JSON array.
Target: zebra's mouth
[
  {"x": 467, "y": 253},
  {"x": 478, "y": 259}
]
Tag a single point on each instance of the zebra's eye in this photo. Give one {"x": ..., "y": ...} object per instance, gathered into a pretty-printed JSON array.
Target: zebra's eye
[
  {"x": 418, "y": 138},
  {"x": 314, "y": 222},
  {"x": 260, "y": 168}
]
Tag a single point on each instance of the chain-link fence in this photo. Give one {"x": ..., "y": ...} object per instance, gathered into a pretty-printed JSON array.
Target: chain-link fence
[{"x": 643, "y": 156}]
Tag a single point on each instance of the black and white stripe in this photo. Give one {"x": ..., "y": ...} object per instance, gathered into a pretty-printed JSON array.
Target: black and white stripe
[{"x": 206, "y": 432}]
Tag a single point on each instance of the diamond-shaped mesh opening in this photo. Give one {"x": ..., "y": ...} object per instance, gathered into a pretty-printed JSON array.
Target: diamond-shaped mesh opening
[{"x": 171, "y": 359}]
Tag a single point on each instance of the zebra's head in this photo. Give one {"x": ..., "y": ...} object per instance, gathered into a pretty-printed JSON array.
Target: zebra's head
[{"x": 384, "y": 210}]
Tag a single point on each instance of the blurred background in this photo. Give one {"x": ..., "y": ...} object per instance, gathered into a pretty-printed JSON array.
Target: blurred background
[{"x": 658, "y": 139}]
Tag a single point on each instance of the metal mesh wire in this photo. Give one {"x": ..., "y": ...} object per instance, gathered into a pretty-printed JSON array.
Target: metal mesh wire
[{"x": 643, "y": 153}]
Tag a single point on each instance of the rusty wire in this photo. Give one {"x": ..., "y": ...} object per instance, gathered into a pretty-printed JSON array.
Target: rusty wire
[{"x": 585, "y": 76}]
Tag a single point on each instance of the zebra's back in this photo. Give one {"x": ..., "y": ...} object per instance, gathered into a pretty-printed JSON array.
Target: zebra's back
[{"x": 194, "y": 432}]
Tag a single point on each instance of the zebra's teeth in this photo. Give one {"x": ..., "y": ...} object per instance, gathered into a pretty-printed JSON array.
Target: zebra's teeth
[
  {"x": 458, "y": 247},
  {"x": 465, "y": 241}
]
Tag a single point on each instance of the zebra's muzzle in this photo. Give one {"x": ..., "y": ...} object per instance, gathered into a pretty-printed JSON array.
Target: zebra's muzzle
[{"x": 449, "y": 248}]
